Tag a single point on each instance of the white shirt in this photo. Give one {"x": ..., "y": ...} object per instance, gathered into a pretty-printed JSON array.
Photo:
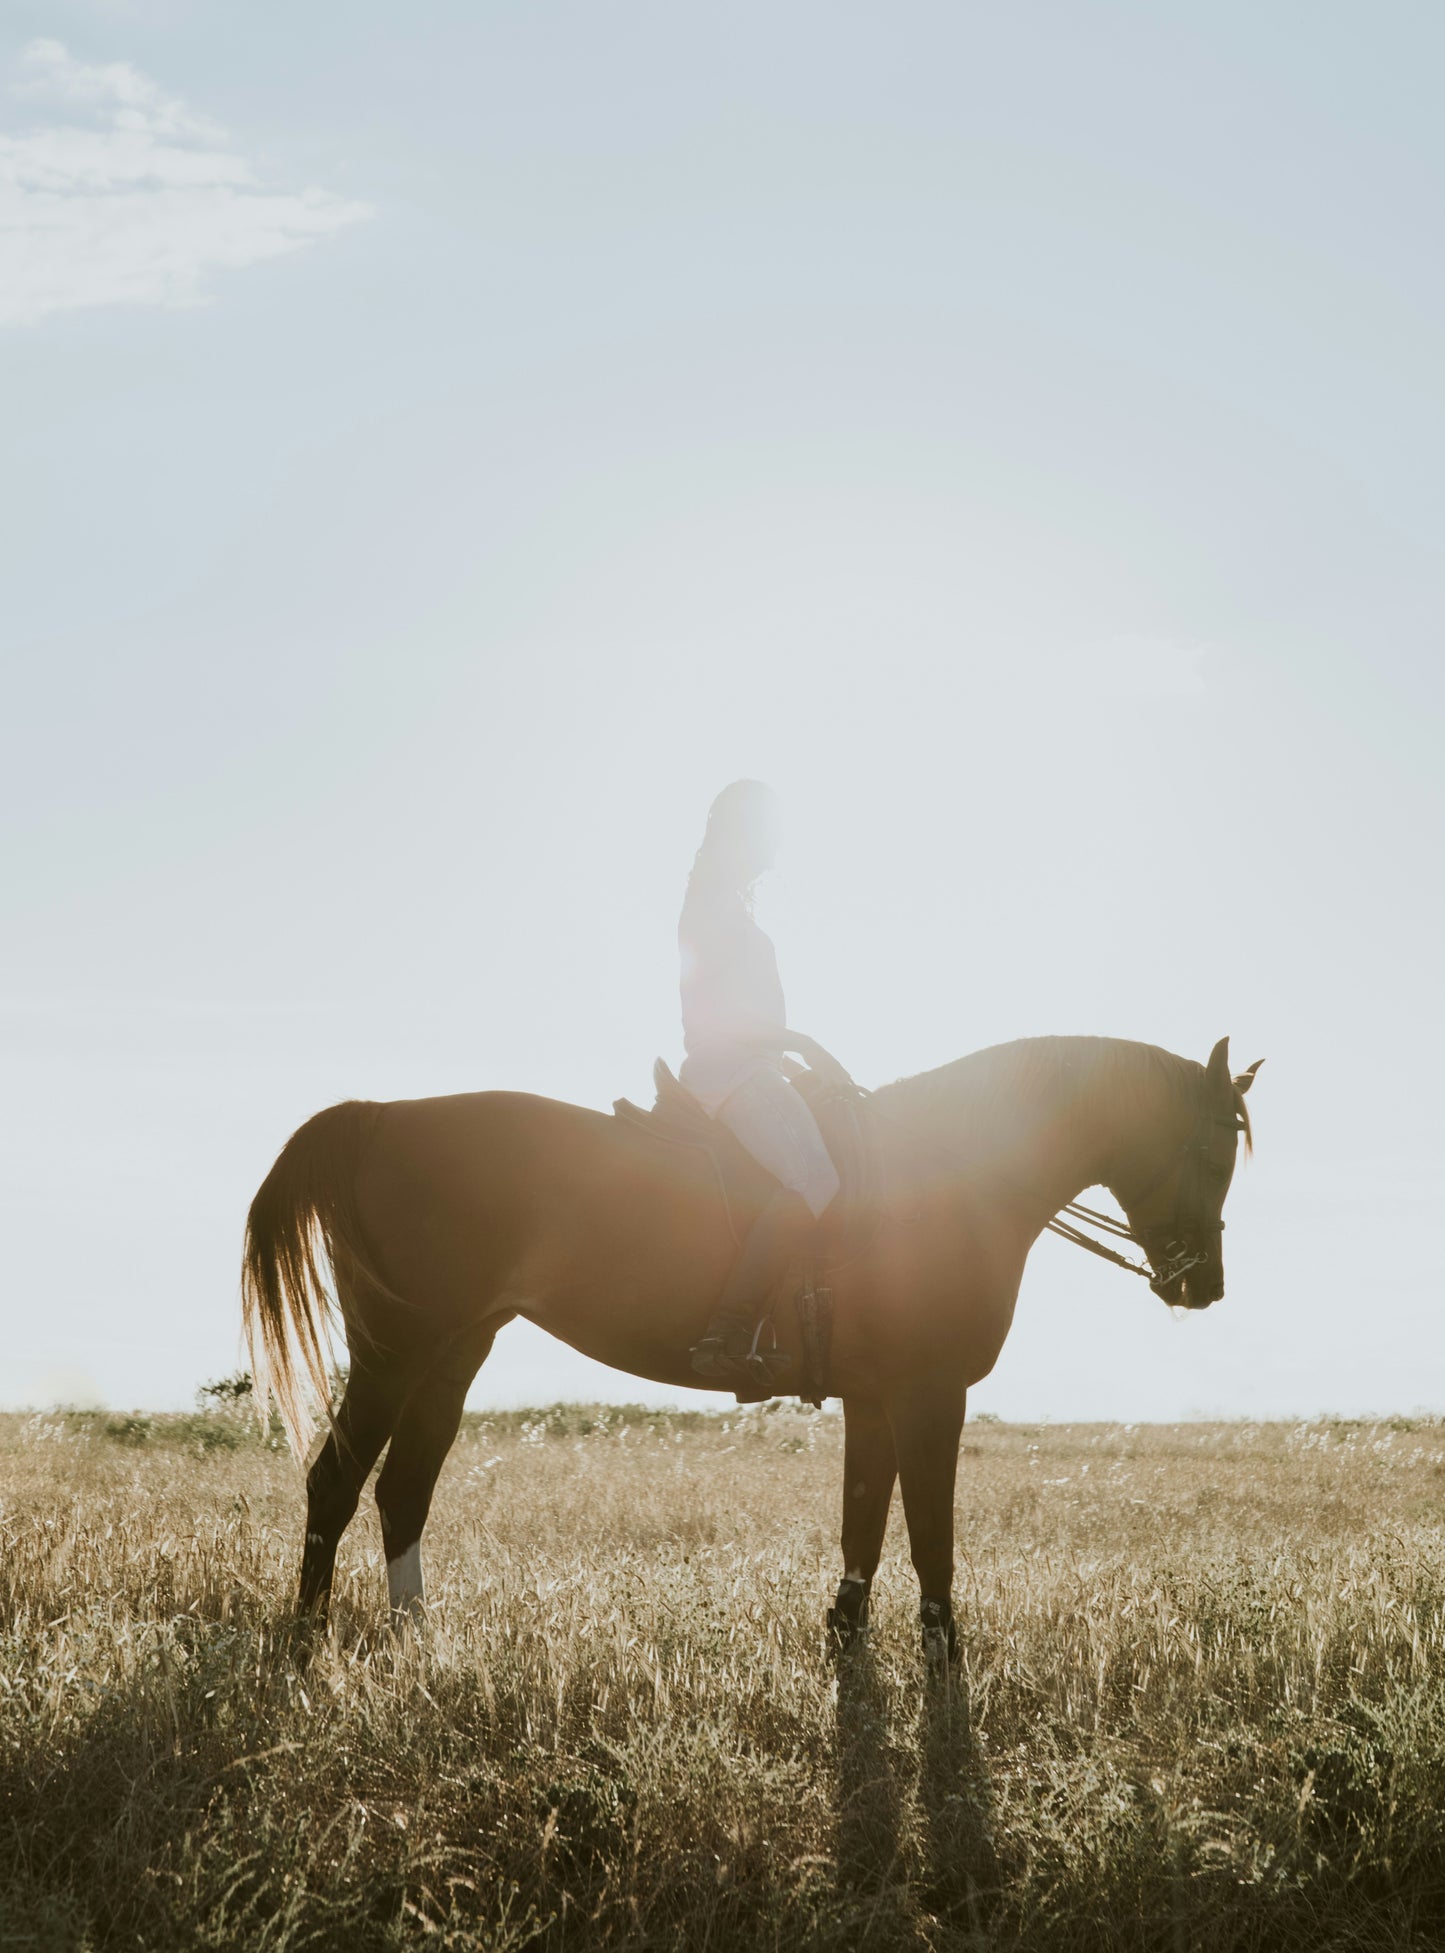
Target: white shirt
[{"x": 733, "y": 1014}]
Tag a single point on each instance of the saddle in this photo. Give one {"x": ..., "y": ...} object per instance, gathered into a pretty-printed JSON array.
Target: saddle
[{"x": 853, "y": 1216}]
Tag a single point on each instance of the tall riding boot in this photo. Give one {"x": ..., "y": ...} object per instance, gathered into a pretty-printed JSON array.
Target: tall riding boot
[{"x": 775, "y": 1241}]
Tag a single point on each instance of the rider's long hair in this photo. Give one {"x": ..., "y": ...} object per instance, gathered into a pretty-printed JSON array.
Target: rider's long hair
[{"x": 736, "y": 843}]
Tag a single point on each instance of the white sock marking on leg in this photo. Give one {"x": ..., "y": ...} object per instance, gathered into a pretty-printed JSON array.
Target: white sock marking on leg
[{"x": 404, "y": 1582}]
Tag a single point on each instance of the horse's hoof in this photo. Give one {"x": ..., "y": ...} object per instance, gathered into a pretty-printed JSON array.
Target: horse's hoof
[
  {"x": 844, "y": 1636},
  {"x": 302, "y": 1638},
  {"x": 942, "y": 1654},
  {"x": 943, "y": 1667},
  {"x": 848, "y": 1617}
]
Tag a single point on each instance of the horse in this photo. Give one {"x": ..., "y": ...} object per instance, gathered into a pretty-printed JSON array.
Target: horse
[{"x": 439, "y": 1220}]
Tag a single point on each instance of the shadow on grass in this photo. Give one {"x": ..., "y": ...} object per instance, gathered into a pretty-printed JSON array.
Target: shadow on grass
[
  {"x": 915, "y": 1839},
  {"x": 872, "y": 1815},
  {"x": 148, "y": 1823},
  {"x": 960, "y": 1874}
]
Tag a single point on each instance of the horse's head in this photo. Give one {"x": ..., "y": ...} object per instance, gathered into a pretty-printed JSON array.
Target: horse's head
[{"x": 1176, "y": 1219}]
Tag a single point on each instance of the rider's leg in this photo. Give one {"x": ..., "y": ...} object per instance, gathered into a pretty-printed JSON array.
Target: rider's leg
[
  {"x": 776, "y": 1241},
  {"x": 776, "y": 1125}
]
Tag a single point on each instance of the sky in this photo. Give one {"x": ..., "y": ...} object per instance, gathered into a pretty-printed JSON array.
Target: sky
[{"x": 444, "y": 445}]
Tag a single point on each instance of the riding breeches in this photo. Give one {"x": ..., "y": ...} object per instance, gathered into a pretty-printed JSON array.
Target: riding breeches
[{"x": 777, "y": 1126}]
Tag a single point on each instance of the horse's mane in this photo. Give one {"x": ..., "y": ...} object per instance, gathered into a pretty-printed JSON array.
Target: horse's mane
[{"x": 1004, "y": 1075}]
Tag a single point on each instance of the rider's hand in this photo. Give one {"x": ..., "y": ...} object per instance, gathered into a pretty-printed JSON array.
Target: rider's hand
[
  {"x": 820, "y": 1061},
  {"x": 828, "y": 1067}
]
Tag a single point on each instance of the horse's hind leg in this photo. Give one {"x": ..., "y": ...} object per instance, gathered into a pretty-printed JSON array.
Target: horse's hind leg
[
  {"x": 425, "y": 1433},
  {"x": 333, "y": 1485}
]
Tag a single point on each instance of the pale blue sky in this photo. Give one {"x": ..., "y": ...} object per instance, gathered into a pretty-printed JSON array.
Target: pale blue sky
[{"x": 443, "y": 445}]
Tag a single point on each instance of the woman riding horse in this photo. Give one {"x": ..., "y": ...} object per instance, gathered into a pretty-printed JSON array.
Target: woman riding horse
[
  {"x": 441, "y": 1220},
  {"x": 736, "y": 1036}
]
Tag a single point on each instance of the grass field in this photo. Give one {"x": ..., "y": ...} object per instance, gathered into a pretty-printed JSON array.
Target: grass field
[{"x": 1203, "y": 1703}]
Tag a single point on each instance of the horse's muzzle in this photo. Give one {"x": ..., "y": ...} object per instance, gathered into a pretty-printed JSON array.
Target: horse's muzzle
[{"x": 1191, "y": 1291}]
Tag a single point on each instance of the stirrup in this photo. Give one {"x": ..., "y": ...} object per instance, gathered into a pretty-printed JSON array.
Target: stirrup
[
  {"x": 755, "y": 1367},
  {"x": 763, "y": 1365}
]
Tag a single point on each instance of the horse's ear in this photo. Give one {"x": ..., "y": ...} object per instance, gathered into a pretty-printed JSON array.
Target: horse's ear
[
  {"x": 1217, "y": 1071},
  {"x": 1245, "y": 1079}
]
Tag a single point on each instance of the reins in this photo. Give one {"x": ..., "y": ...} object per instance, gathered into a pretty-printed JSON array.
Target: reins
[{"x": 1068, "y": 1232}]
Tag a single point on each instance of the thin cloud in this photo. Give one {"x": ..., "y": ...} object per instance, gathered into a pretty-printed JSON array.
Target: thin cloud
[{"x": 133, "y": 199}]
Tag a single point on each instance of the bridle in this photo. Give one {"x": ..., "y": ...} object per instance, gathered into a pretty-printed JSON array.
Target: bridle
[{"x": 1168, "y": 1256}]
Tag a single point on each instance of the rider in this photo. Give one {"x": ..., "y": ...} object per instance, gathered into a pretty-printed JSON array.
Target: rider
[{"x": 736, "y": 1035}]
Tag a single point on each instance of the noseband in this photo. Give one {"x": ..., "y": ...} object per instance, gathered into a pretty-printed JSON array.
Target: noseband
[{"x": 1167, "y": 1253}]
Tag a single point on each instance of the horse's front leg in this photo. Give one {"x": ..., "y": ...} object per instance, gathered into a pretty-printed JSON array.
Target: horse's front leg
[
  {"x": 869, "y": 1470},
  {"x": 926, "y": 1418}
]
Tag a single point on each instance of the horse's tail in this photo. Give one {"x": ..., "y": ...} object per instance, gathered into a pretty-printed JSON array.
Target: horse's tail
[{"x": 303, "y": 1215}]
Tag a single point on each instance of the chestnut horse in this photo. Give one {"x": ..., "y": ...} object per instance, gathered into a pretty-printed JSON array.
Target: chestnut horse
[{"x": 444, "y": 1218}]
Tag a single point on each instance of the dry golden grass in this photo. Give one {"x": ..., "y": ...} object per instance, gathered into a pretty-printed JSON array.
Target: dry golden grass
[{"x": 1203, "y": 1703}]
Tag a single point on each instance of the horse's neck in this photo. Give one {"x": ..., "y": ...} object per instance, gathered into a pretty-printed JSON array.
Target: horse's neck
[{"x": 1049, "y": 1117}]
